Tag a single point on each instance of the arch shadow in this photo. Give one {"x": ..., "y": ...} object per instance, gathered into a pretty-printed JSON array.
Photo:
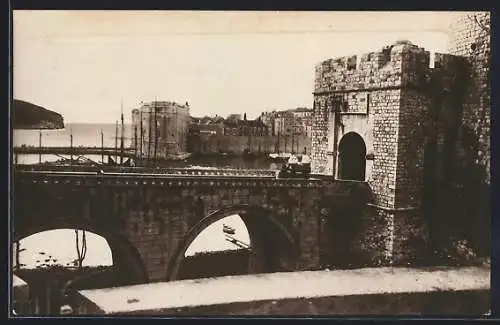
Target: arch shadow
[
  {"x": 268, "y": 237},
  {"x": 352, "y": 157},
  {"x": 125, "y": 256}
]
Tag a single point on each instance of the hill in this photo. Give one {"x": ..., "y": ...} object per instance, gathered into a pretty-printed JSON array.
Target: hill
[{"x": 30, "y": 116}]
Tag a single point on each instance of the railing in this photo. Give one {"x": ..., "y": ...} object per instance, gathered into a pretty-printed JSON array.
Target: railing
[
  {"x": 225, "y": 179},
  {"x": 174, "y": 171},
  {"x": 73, "y": 150},
  {"x": 37, "y": 149}
]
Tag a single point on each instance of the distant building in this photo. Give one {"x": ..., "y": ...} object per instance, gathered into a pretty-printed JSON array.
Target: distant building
[
  {"x": 161, "y": 127},
  {"x": 268, "y": 119},
  {"x": 209, "y": 135},
  {"x": 303, "y": 120},
  {"x": 207, "y": 124},
  {"x": 245, "y": 128},
  {"x": 234, "y": 117},
  {"x": 290, "y": 122}
]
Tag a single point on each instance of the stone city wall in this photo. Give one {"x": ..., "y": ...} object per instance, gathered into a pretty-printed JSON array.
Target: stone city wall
[
  {"x": 217, "y": 143},
  {"x": 470, "y": 38}
]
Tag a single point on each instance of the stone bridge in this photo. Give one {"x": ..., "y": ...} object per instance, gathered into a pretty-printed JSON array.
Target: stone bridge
[{"x": 149, "y": 220}]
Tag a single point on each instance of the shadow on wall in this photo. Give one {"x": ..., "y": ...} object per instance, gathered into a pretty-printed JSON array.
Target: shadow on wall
[
  {"x": 459, "y": 210},
  {"x": 213, "y": 264},
  {"x": 273, "y": 246}
]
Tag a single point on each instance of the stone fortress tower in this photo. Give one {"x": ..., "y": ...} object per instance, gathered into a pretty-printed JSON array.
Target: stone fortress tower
[
  {"x": 408, "y": 127},
  {"x": 164, "y": 126}
]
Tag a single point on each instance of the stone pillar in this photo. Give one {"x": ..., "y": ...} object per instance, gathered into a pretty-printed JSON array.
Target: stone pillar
[
  {"x": 397, "y": 177},
  {"x": 331, "y": 152}
]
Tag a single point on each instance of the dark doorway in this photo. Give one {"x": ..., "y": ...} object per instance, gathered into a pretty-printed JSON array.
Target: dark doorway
[{"x": 352, "y": 157}]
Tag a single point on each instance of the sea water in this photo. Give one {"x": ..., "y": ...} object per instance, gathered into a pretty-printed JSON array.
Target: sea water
[{"x": 60, "y": 244}]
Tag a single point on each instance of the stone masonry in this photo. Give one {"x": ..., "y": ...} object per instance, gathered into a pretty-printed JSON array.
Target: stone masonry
[
  {"x": 399, "y": 103},
  {"x": 424, "y": 128},
  {"x": 149, "y": 222},
  {"x": 470, "y": 38}
]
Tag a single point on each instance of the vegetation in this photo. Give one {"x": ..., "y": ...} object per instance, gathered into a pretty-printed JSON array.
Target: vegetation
[{"x": 26, "y": 115}]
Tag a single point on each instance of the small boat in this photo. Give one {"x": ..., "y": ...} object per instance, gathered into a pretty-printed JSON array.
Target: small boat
[{"x": 228, "y": 230}]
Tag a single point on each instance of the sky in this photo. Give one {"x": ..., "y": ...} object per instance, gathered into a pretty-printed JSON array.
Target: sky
[{"x": 86, "y": 65}]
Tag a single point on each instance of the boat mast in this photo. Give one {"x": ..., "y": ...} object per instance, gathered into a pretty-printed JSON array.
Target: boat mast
[
  {"x": 156, "y": 135},
  {"x": 141, "y": 136},
  {"x": 116, "y": 141},
  {"x": 149, "y": 132},
  {"x": 122, "y": 135}
]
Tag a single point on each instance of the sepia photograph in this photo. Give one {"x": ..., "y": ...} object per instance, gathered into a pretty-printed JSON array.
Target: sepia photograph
[{"x": 250, "y": 163}]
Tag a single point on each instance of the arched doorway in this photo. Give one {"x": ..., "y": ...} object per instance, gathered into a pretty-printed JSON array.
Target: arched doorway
[
  {"x": 352, "y": 157},
  {"x": 272, "y": 248}
]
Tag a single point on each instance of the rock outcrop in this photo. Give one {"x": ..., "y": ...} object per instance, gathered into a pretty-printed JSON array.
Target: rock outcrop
[{"x": 30, "y": 116}]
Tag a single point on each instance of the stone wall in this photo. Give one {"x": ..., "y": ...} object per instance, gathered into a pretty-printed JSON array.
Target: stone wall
[
  {"x": 321, "y": 154},
  {"x": 407, "y": 110},
  {"x": 386, "y": 105},
  {"x": 430, "y": 303},
  {"x": 349, "y": 95},
  {"x": 169, "y": 135},
  {"x": 370, "y": 291},
  {"x": 468, "y": 183},
  {"x": 217, "y": 143},
  {"x": 470, "y": 38},
  {"x": 148, "y": 221}
]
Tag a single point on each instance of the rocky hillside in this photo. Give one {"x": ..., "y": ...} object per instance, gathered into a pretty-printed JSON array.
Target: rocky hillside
[{"x": 30, "y": 116}]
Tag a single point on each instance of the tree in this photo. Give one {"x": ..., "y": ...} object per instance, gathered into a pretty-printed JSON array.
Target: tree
[
  {"x": 17, "y": 248},
  {"x": 80, "y": 251}
]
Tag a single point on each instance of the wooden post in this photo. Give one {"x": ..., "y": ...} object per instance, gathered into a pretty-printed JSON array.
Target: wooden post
[
  {"x": 298, "y": 143},
  {"x": 149, "y": 133},
  {"x": 155, "y": 135},
  {"x": 71, "y": 146},
  {"x": 102, "y": 147},
  {"x": 122, "y": 136},
  {"x": 116, "y": 141},
  {"x": 285, "y": 142},
  {"x": 40, "y": 147},
  {"x": 141, "y": 137},
  {"x": 165, "y": 134},
  {"x": 135, "y": 140},
  {"x": 278, "y": 142}
]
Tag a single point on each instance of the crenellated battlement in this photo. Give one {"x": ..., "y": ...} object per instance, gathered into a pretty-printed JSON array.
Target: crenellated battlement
[
  {"x": 401, "y": 64},
  {"x": 390, "y": 118}
]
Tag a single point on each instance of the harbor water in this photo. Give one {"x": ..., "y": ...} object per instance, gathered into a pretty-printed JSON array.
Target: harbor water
[{"x": 60, "y": 244}]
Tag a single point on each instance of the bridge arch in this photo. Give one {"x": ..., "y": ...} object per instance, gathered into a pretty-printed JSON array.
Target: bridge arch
[
  {"x": 125, "y": 256},
  {"x": 273, "y": 246},
  {"x": 352, "y": 157}
]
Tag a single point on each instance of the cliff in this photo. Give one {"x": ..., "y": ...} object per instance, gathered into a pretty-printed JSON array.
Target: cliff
[{"x": 30, "y": 116}]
